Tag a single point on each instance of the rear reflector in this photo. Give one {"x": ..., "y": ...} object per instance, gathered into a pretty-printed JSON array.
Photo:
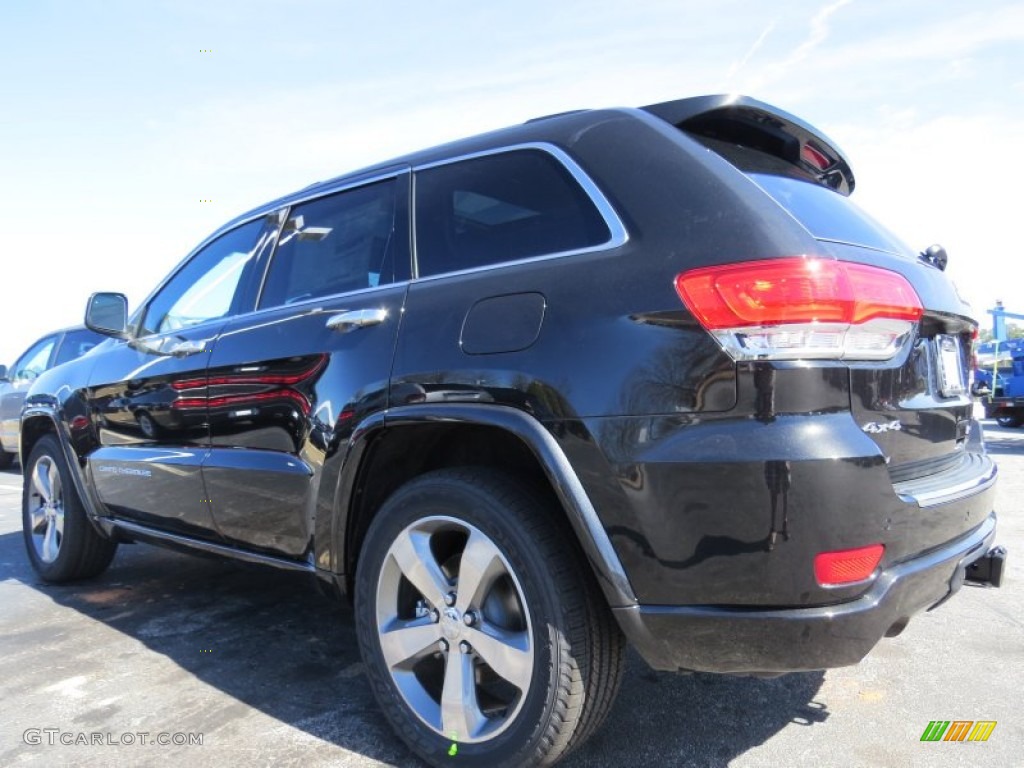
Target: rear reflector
[
  {"x": 847, "y": 566},
  {"x": 800, "y": 307}
]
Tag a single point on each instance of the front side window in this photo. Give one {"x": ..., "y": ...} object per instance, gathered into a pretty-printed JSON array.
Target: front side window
[
  {"x": 35, "y": 361},
  {"x": 501, "y": 207},
  {"x": 336, "y": 244},
  {"x": 205, "y": 288}
]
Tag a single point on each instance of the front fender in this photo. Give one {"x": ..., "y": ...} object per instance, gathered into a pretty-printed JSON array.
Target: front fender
[{"x": 44, "y": 415}]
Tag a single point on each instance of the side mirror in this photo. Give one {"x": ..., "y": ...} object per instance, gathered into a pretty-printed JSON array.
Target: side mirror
[
  {"x": 107, "y": 313},
  {"x": 3, "y": 373}
]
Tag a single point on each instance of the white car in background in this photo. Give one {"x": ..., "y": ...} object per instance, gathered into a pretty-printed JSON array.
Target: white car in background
[{"x": 50, "y": 351}]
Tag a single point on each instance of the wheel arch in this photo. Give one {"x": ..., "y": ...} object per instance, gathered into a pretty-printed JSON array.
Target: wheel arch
[
  {"x": 39, "y": 420},
  {"x": 409, "y": 441},
  {"x": 35, "y": 423}
]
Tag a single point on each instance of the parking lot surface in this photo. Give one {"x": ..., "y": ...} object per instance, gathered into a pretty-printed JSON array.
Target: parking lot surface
[{"x": 264, "y": 670}]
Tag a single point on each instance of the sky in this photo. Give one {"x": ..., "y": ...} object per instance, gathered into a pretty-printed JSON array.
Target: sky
[{"x": 130, "y": 130}]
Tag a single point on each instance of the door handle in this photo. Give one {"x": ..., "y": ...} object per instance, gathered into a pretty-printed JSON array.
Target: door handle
[{"x": 344, "y": 322}]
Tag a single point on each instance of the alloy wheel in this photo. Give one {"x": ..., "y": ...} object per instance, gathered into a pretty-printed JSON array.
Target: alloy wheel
[
  {"x": 454, "y": 629},
  {"x": 46, "y": 508}
]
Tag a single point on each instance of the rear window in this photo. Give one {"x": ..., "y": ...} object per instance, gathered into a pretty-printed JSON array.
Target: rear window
[
  {"x": 828, "y": 215},
  {"x": 501, "y": 207},
  {"x": 825, "y": 213}
]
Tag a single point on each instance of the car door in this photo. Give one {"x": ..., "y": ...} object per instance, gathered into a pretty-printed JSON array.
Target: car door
[
  {"x": 148, "y": 393},
  {"x": 20, "y": 377},
  {"x": 288, "y": 382}
]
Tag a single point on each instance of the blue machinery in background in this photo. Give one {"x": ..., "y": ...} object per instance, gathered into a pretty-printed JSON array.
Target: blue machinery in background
[
  {"x": 999, "y": 315},
  {"x": 1002, "y": 385}
]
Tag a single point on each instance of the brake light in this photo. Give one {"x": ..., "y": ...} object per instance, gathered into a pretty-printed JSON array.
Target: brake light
[
  {"x": 800, "y": 307},
  {"x": 813, "y": 156},
  {"x": 847, "y": 566}
]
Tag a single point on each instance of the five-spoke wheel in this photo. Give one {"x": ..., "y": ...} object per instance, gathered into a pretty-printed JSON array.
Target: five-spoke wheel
[
  {"x": 46, "y": 508},
  {"x": 454, "y": 629},
  {"x": 60, "y": 540},
  {"x": 481, "y": 627}
]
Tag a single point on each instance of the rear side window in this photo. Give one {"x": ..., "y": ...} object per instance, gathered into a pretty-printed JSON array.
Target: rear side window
[
  {"x": 336, "y": 244},
  {"x": 501, "y": 207}
]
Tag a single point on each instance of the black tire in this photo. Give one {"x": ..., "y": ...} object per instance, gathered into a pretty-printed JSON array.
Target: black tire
[
  {"x": 81, "y": 552},
  {"x": 1010, "y": 420},
  {"x": 578, "y": 651},
  {"x": 6, "y": 459}
]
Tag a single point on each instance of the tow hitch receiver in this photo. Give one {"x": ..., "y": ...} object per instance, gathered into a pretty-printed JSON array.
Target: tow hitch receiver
[{"x": 987, "y": 570}]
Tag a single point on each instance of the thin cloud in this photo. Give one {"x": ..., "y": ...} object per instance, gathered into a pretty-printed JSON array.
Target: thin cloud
[
  {"x": 942, "y": 40},
  {"x": 738, "y": 65},
  {"x": 819, "y": 33}
]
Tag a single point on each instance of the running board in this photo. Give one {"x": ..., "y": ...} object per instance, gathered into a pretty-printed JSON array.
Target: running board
[{"x": 154, "y": 536}]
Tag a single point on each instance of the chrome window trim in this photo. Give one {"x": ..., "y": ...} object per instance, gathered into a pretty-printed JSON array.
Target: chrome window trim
[
  {"x": 302, "y": 309},
  {"x": 285, "y": 205},
  {"x": 330, "y": 297},
  {"x": 281, "y": 214},
  {"x": 284, "y": 213},
  {"x": 618, "y": 235}
]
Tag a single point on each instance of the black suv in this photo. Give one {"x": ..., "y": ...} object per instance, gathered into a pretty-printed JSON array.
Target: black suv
[{"x": 626, "y": 374}]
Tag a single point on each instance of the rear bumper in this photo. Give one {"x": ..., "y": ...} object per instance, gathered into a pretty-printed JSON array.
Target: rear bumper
[{"x": 751, "y": 640}]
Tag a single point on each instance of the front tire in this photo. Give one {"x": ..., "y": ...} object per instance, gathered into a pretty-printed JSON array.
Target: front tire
[
  {"x": 482, "y": 631},
  {"x": 62, "y": 544}
]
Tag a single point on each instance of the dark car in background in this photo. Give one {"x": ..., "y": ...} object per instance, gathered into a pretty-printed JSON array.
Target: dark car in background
[
  {"x": 638, "y": 375},
  {"x": 53, "y": 349}
]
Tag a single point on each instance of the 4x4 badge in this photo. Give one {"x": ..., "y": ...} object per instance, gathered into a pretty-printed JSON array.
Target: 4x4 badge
[{"x": 874, "y": 427}]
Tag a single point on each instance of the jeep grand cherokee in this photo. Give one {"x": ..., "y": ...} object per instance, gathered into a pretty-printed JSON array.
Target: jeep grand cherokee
[{"x": 638, "y": 375}]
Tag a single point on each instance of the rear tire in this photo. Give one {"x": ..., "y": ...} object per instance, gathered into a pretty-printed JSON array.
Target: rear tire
[
  {"x": 508, "y": 658},
  {"x": 6, "y": 459},
  {"x": 62, "y": 544},
  {"x": 1010, "y": 420}
]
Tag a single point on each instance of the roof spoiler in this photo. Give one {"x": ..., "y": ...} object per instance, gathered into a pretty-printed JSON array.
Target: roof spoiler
[{"x": 754, "y": 124}]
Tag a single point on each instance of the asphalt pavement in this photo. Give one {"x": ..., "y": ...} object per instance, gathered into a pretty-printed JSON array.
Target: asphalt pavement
[{"x": 167, "y": 650}]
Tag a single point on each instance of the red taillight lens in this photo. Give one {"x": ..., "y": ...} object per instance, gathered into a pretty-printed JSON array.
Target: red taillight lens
[
  {"x": 795, "y": 290},
  {"x": 750, "y": 306},
  {"x": 878, "y": 292},
  {"x": 847, "y": 566}
]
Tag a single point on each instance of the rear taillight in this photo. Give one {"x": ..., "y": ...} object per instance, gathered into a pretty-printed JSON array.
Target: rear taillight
[
  {"x": 847, "y": 566},
  {"x": 800, "y": 307}
]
